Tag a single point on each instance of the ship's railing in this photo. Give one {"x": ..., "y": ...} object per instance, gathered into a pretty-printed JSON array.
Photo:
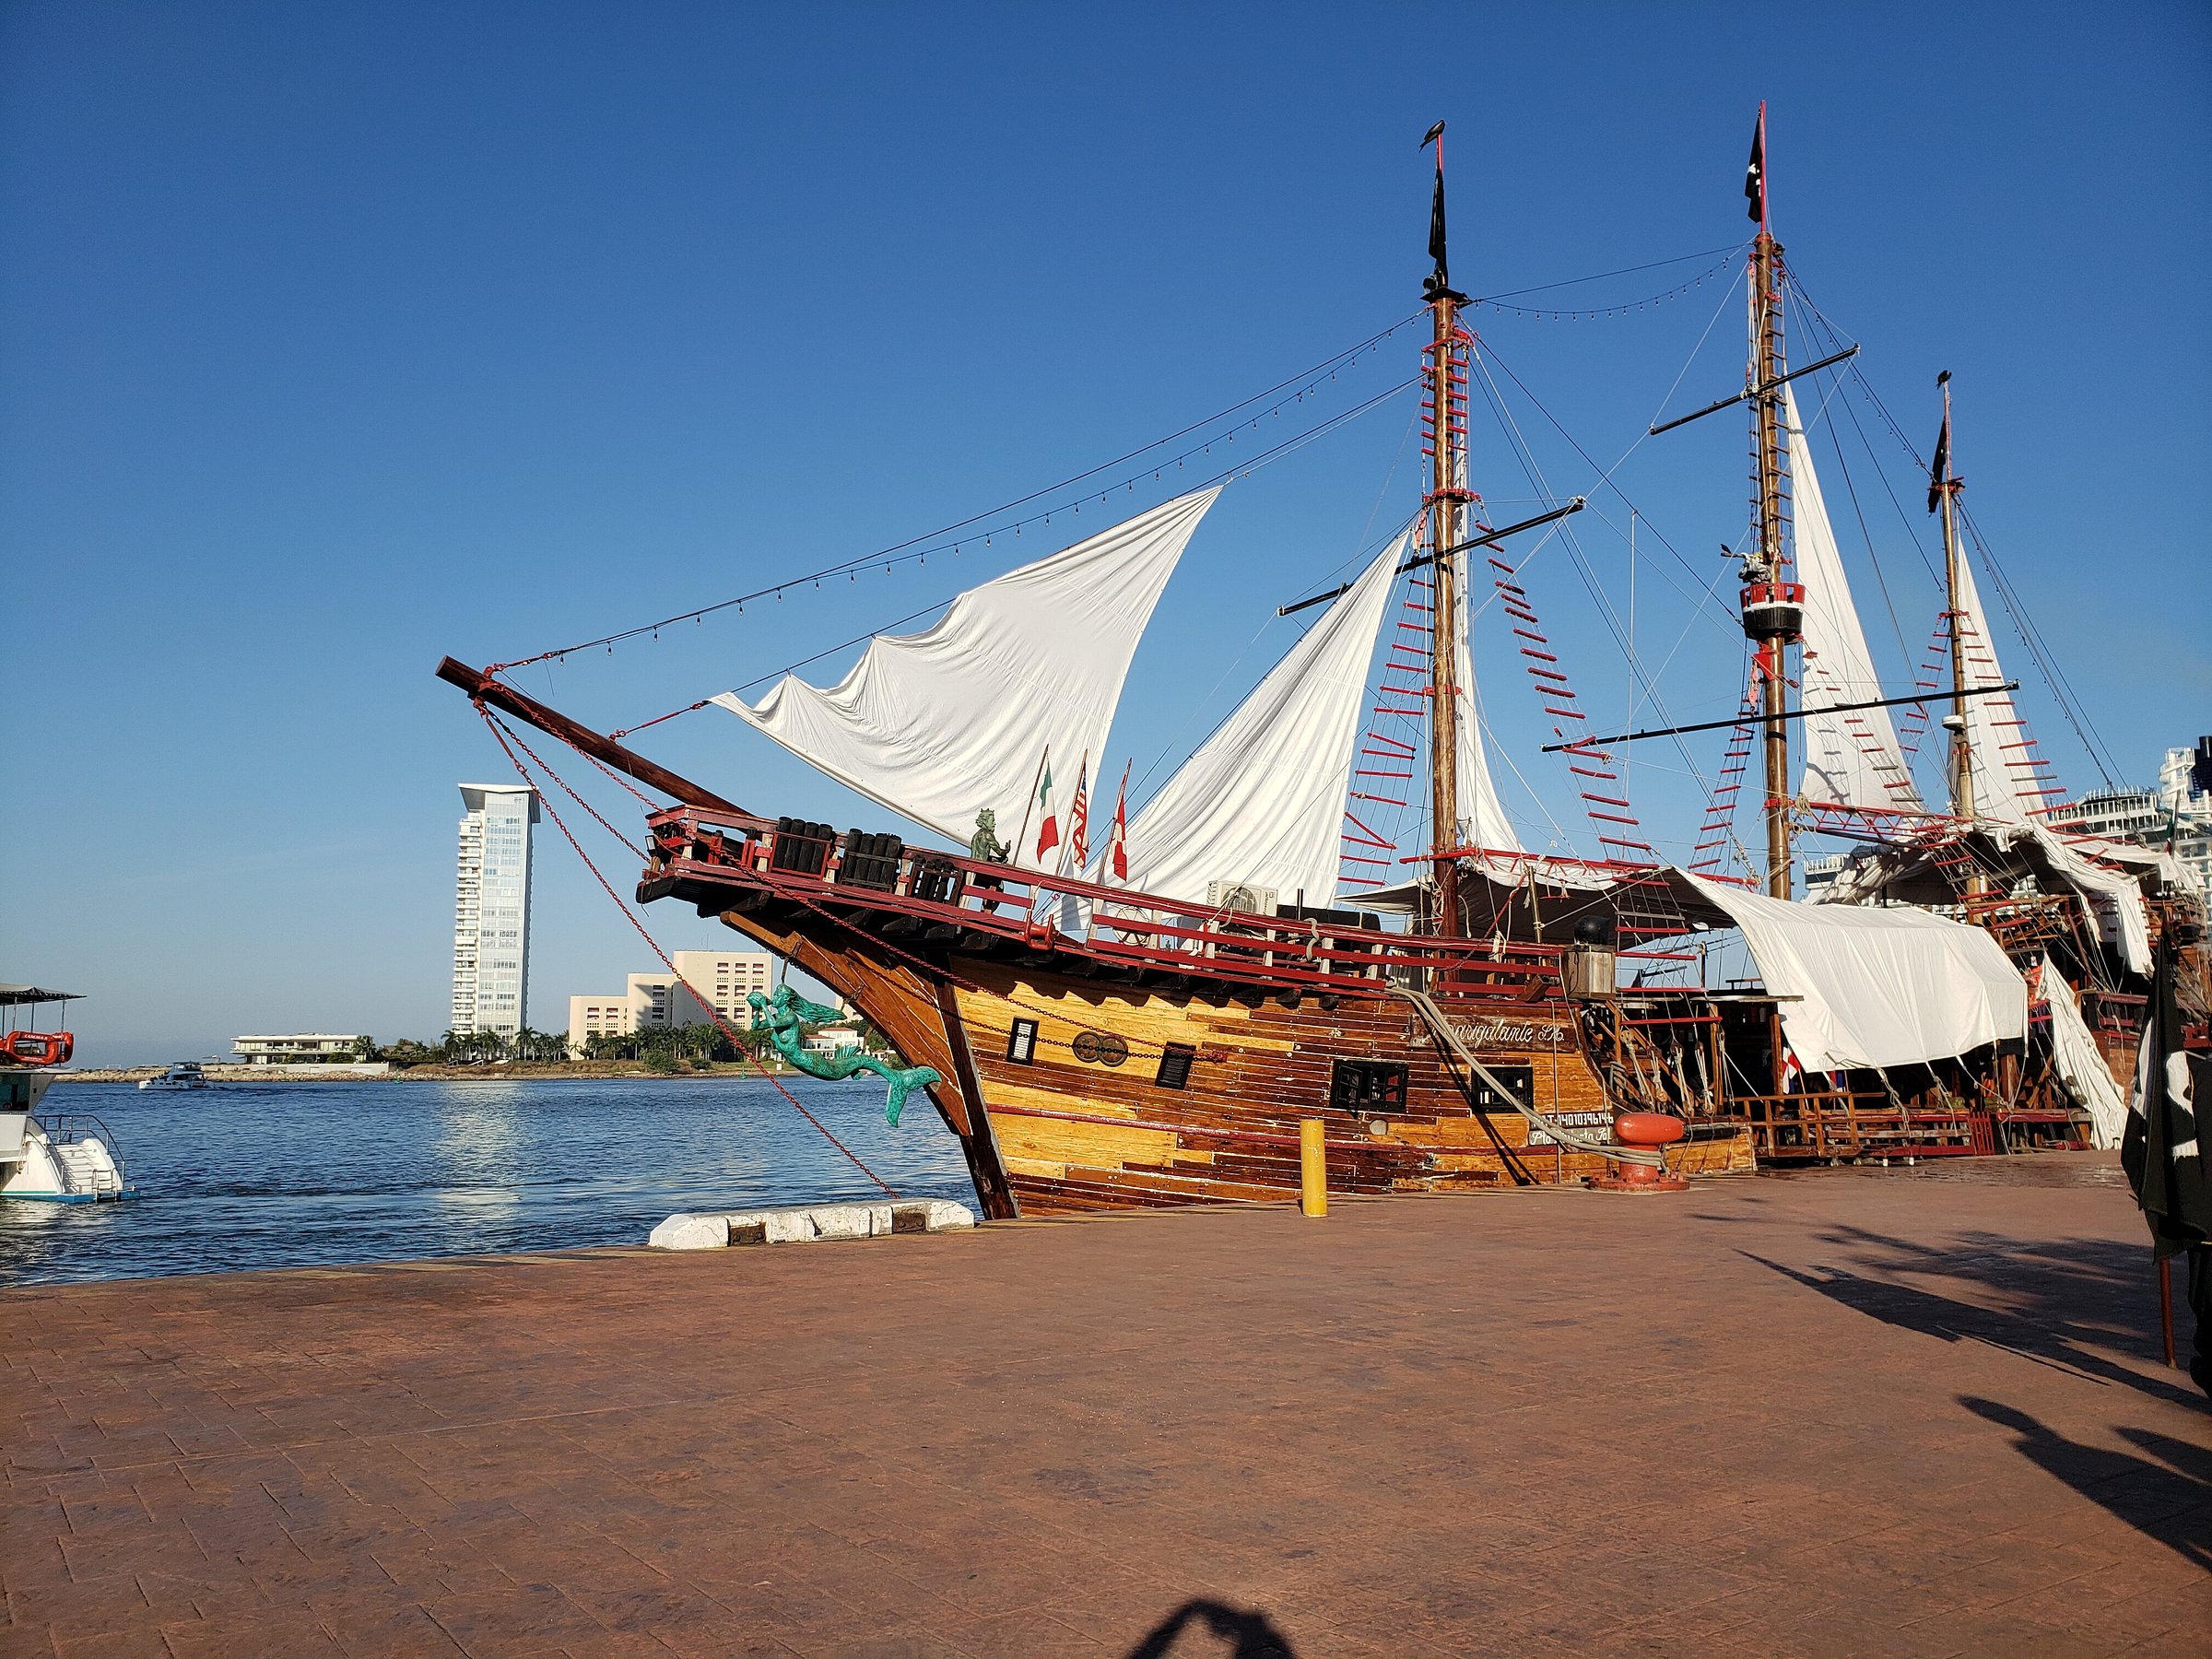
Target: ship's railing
[
  {"x": 942, "y": 896},
  {"x": 68, "y": 1128}
]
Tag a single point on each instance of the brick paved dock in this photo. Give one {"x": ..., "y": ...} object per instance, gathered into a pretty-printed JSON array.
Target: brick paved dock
[{"x": 1898, "y": 1413}]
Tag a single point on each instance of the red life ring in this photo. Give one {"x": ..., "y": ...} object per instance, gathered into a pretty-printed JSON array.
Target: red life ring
[{"x": 38, "y": 1048}]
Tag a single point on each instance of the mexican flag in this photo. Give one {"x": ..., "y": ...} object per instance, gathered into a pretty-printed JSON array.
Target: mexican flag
[{"x": 1048, "y": 833}]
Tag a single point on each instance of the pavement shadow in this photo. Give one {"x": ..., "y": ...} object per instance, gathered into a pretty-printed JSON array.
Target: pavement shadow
[
  {"x": 2068, "y": 1304},
  {"x": 2167, "y": 1496},
  {"x": 1252, "y": 1634}
]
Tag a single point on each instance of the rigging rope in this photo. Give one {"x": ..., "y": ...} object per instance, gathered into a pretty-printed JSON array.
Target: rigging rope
[
  {"x": 913, "y": 547},
  {"x": 1525, "y": 457},
  {"x": 1543, "y": 314},
  {"x": 500, "y": 736},
  {"x": 1244, "y": 469},
  {"x": 2061, "y": 688}
]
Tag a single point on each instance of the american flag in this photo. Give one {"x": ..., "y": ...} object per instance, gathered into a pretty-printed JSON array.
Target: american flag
[{"x": 1078, "y": 818}]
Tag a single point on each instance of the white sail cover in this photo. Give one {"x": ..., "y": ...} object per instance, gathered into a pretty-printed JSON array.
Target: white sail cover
[
  {"x": 1262, "y": 800},
  {"x": 1876, "y": 987},
  {"x": 2079, "y": 1063},
  {"x": 1852, "y": 759},
  {"x": 940, "y": 725},
  {"x": 1482, "y": 820},
  {"x": 2006, "y": 781}
]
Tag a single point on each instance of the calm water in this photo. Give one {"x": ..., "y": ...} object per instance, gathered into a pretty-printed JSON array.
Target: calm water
[{"x": 298, "y": 1174}]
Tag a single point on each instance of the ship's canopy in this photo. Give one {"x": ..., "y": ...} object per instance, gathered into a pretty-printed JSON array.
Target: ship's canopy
[
  {"x": 1916, "y": 872},
  {"x": 1262, "y": 800},
  {"x": 2008, "y": 784},
  {"x": 1021, "y": 672},
  {"x": 1874, "y": 988},
  {"x": 1851, "y": 759}
]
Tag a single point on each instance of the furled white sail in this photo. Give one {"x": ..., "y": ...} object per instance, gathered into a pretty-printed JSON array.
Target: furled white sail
[
  {"x": 2006, "y": 781},
  {"x": 2079, "y": 1063},
  {"x": 1854, "y": 758},
  {"x": 941, "y": 724},
  {"x": 1262, "y": 800},
  {"x": 1482, "y": 820}
]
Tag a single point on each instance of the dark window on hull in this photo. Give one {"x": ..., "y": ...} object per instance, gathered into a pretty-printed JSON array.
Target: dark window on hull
[
  {"x": 1021, "y": 1042},
  {"x": 1175, "y": 1064},
  {"x": 1519, "y": 1080},
  {"x": 1368, "y": 1086}
]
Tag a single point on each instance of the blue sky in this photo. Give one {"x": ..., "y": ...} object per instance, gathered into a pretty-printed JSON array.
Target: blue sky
[{"x": 339, "y": 338}]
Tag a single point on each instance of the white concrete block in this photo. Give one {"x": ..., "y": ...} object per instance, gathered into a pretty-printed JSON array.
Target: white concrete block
[
  {"x": 841, "y": 1220},
  {"x": 788, "y": 1225},
  {"x": 691, "y": 1232},
  {"x": 803, "y": 1224}
]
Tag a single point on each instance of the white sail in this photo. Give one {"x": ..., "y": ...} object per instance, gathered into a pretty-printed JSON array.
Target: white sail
[
  {"x": 1853, "y": 759},
  {"x": 1482, "y": 820},
  {"x": 1262, "y": 800},
  {"x": 2079, "y": 1064},
  {"x": 941, "y": 724},
  {"x": 2007, "y": 776}
]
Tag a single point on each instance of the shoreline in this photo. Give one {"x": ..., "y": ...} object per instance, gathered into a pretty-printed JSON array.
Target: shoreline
[{"x": 535, "y": 1070}]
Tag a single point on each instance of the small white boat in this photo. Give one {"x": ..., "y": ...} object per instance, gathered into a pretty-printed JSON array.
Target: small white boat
[
  {"x": 184, "y": 1074},
  {"x": 62, "y": 1158}
]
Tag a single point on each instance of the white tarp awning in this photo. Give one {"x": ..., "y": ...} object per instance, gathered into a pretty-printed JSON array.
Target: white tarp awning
[
  {"x": 1876, "y": 987},
  {"x": 2079, "y": 1063}
]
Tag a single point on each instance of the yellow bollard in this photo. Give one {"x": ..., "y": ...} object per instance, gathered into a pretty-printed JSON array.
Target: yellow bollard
[{"x": 1312, "y": 1169}]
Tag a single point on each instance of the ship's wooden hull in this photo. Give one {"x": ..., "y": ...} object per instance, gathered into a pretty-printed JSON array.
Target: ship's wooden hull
[{"x": 1076, "y": 1111}]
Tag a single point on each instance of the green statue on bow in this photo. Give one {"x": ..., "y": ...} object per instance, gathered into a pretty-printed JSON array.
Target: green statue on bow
[{"x": 785, "y": 1017}]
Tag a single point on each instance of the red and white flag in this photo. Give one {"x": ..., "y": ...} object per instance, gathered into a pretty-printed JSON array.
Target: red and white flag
[
  {"x": 1117, "y": 843},
  {"x": 1048, "y": 832},
  {"x": 1079, "y": 819}
]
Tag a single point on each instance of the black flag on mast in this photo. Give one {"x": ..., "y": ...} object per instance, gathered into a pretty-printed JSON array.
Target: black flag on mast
[
  {"x": 1940, "y": 467},
  {"x": 1439, "y": 279},
  {"x": 1755, "y": 174}
]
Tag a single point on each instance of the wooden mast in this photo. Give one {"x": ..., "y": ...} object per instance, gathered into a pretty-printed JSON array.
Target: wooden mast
[
  {"x": 1447, "y": 495},
  {"x": 1945, "y": 487},
  {"x": 1769, "y": 478}
]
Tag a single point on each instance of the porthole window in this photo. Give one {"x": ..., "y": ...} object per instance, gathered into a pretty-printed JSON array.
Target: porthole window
[
  {"x": 1101, "y": 1048},
  {"x": 1021, "y": 1042}
]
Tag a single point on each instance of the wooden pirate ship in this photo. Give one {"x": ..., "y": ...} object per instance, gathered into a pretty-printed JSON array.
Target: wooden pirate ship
[{"x": 1146, "y": 1020}]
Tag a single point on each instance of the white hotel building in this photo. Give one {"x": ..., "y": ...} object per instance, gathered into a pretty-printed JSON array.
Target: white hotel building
[
  {"x": 722, "y": 979},
  {"x": 492, "y": 909}
]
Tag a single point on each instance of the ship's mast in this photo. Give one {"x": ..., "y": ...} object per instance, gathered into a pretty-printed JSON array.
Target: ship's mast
[
  {"x": 1772, "y": 605},
  {"x": 1448, "y": 495},
  {"x": 1943, "y": 491}
]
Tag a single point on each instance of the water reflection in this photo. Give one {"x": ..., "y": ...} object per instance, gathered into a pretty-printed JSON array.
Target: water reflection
[{"x": 289, "y": 1174}]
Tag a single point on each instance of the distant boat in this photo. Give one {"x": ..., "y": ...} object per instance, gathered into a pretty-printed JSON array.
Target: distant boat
[{"x": 184, "y": 1074}]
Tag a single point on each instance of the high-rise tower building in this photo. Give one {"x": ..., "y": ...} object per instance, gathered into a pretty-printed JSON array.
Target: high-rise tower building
[{"x": 492, "y": 909}]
